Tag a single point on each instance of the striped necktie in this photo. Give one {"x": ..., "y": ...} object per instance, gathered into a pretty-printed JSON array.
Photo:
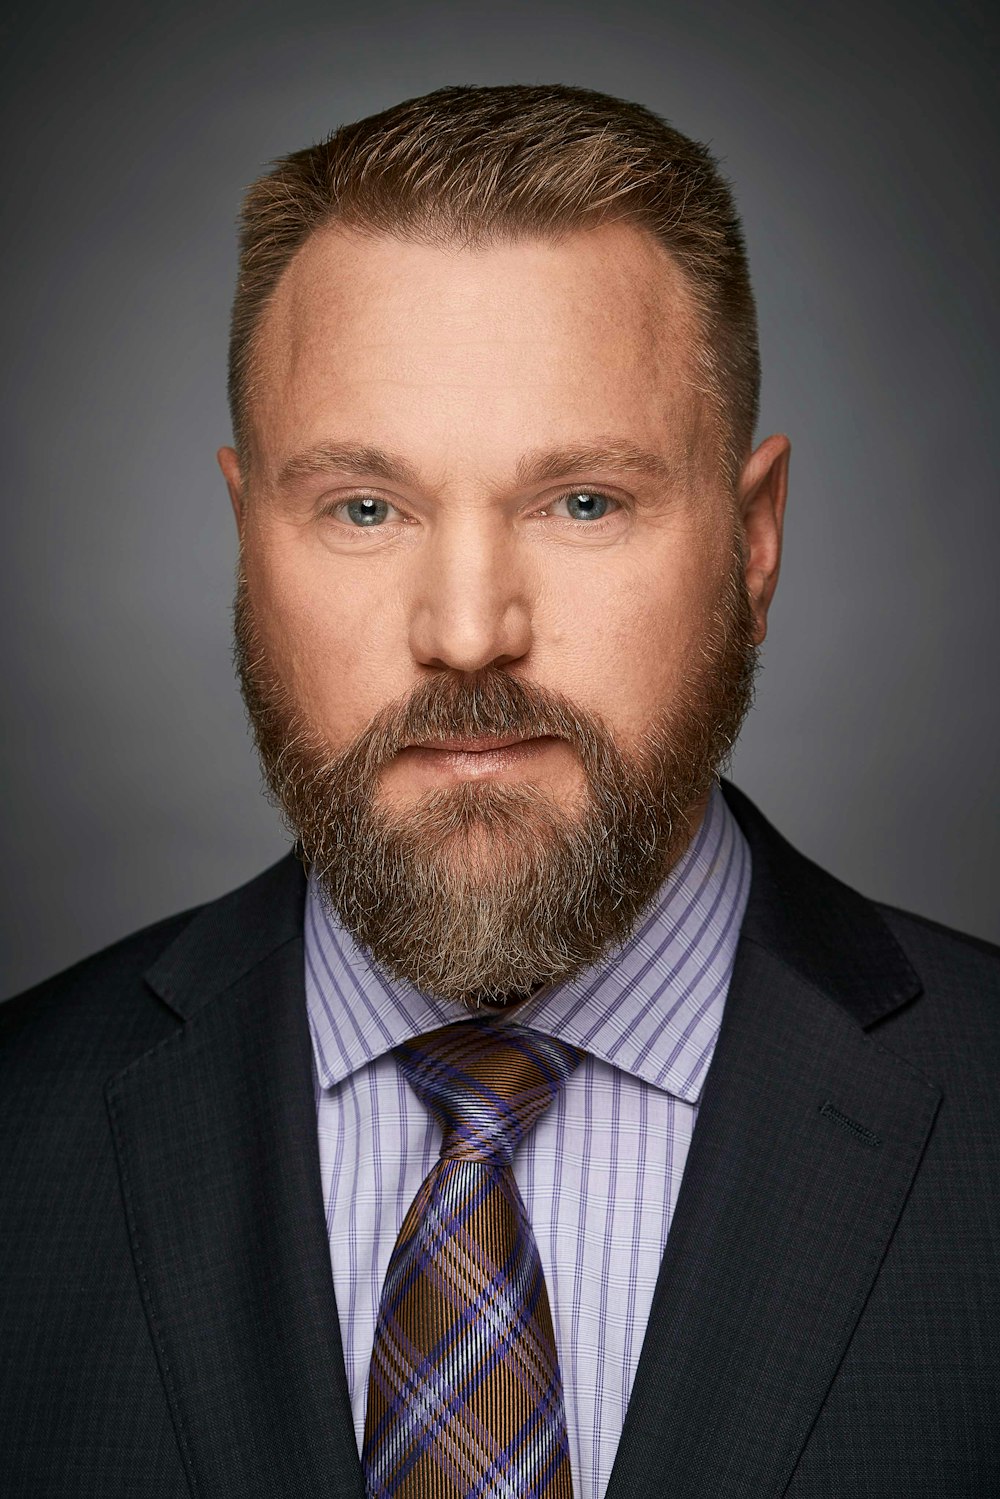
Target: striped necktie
[{"x": 464, "y": 1393}]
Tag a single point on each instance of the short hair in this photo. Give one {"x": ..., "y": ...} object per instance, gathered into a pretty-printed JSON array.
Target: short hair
[{"x": 479, "y": 165}]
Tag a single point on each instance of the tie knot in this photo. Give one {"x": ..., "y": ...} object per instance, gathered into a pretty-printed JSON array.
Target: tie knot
[{"x": 487, "y": 1084}]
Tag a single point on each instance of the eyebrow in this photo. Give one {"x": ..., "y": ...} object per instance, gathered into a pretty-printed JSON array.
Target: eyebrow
[
  {"x": 346, "y": 458},
  {"x": 539, "y": 467},
  {"x": 612, "y": 457}
]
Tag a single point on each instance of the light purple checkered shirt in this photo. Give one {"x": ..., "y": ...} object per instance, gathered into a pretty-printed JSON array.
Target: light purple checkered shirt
[{"x": 601, "y": 1170}]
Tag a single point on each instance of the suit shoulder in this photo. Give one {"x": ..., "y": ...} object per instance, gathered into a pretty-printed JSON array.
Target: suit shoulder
[
  {"x": 888, "y": 967},
  {"x": 953, "y": 1030},
  {"x": 107, "y": 991},
  {"x": 98, "y": 983},
  {"x": 944, "y": 950}
]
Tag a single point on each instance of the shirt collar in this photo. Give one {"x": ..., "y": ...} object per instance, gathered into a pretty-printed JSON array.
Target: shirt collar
[{"x": 652, "y": 1008}]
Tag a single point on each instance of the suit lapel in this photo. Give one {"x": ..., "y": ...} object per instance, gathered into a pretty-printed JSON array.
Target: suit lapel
[
  {"x": 809, "y": 1134},
  {"x": 215, "y": 1132}
]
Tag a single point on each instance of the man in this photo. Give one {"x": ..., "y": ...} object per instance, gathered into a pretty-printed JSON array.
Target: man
[{"x": 548, "y": 1125}]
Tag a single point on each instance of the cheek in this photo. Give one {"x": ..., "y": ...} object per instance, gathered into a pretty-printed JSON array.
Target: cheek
[
  {"x": 326, "y": 636},
  {"x": 627, "y": 642}
]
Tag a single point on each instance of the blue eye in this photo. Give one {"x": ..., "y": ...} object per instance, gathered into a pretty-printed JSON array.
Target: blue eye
[
  {"x": 367, "y": 512},
  {"x": 586, "y": 505}
]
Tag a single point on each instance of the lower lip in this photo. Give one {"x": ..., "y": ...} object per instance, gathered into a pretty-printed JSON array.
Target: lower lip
[{"x": 476, "y": 764}]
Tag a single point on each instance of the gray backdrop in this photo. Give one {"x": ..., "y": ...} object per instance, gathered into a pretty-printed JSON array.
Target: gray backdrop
[{"x": 860, "y": 141}]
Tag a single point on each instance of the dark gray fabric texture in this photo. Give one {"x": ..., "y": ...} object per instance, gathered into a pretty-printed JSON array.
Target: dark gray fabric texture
[{"x": 826, "y": 1323}]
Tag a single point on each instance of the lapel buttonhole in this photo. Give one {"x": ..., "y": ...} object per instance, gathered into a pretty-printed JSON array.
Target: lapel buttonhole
[{"x": 860, "y": 1131}]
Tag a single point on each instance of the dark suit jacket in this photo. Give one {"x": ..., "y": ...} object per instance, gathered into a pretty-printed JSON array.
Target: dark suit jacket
[{"x": 827, "y": 1317}]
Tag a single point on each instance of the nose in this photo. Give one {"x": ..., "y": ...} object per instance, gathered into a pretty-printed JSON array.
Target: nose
[{"x": 470, "y": 609}]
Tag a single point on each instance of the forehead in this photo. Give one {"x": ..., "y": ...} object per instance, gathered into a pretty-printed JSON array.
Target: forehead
[{"x": 378, "y": 339}]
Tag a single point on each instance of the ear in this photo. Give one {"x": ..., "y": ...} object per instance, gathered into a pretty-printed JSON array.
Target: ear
[
  {"x": 230, "y": 466},
  {"x": 761, "y": 495}
]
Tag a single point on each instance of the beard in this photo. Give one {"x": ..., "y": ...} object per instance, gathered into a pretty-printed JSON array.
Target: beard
[{"x": 482, "y": 892}]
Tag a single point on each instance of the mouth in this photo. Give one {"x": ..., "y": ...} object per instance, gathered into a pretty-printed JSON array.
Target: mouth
[
  {"x": 476, "y": 756},
  {"x": 478, "y": 745}
]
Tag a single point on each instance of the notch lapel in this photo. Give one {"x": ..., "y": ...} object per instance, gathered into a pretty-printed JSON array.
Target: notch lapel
[
  {"x": 215, "y": 1133},
  {"x": 808, "y": 1137}
]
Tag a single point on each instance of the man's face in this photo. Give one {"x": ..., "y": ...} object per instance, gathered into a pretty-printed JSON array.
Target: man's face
[{"x": 484, "y": 498}]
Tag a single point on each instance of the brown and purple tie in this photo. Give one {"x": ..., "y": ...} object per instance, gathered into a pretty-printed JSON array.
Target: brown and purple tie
[{"x": 465, "y": 1396}]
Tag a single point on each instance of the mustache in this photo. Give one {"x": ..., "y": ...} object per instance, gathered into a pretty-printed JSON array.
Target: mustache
[{"x": 489, "y": 702}]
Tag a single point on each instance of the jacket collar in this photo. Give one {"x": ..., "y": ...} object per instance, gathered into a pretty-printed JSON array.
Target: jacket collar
[
  {"x": 828, "y": 933},
  {"x": 228, "y": 938}
]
